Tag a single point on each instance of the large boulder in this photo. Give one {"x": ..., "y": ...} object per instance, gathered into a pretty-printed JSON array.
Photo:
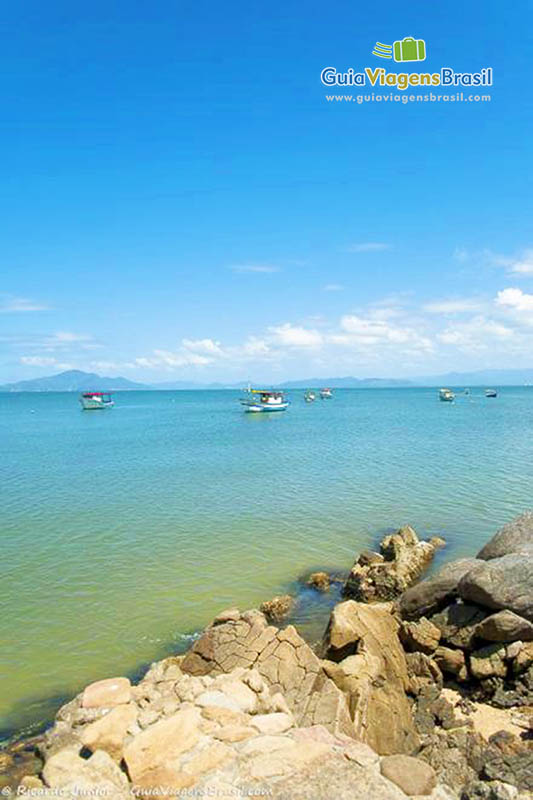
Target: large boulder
[
  {"x": 501, "y": 583},
  {"x": 433, "y": 593},
  {"x": 367, "y": 662},
  {"x": 412, "y": 775},
  {"x": 403, "y": 558},
  {"x": 515, "y": 537},
  {"x": 458, "y": 624},
  {"x": 284, "y": 661},
  {"x": 505, "y": 626}
]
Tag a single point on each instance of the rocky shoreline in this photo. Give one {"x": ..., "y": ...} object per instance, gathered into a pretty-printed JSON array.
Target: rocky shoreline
[{"x": 419, "y": 688}]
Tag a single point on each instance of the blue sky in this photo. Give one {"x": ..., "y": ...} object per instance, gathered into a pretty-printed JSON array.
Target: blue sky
[{"x": 180, "y": 201}]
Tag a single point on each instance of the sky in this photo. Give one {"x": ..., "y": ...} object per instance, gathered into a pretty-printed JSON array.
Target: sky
[{"x": 180, "y": 201}]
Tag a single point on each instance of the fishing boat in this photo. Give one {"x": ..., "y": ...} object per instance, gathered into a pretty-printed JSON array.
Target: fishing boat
[
  {"x": 309, "y": 396},
  {"x": 326, "y": 393},
  {"x": 95, "y": 401},
  {"x": 264, "y": 400},
  {"x": 446, "y": 395},
  {"x": 491, "y": 393}
]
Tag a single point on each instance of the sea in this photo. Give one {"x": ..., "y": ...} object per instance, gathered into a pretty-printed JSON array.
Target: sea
[{"x": 123, "y": 532}]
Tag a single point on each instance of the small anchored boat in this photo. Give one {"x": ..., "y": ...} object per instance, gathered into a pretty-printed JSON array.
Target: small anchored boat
[
  {"x": 446, "y": 395},
  {"x": 309, "y": 396},
  {"x": 491, "y": 393},
  {"x": 95, "y": 401},
  {"x": 264, "y": 400},
  {"x": 326, "y": 394}
]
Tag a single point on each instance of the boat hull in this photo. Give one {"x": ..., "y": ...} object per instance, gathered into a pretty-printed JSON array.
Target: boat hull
[
  {"x": 256, "y": 408},
  {"x": 93, "y": 405}
]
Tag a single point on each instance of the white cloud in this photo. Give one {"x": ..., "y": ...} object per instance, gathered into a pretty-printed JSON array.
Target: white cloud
[
  {"x": 13, "y": 305},
  {"x": 521, "y": 264},
  {"x": 367, "y": 247},
  {"x": 478, "y": 333},
  {"x": 457, "y": 306},
  {"x": 332, "y": 287},
  {"x": 515, "y": 299},
  {"x": 260, "y": 268},
  {"x": 289, "y": 335},
  {"x": 207, "y": 346},
  {"x": 43, "y": 361}
]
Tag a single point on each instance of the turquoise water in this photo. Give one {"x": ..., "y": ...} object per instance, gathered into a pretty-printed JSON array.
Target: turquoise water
[{"x": 125, "y": 531}]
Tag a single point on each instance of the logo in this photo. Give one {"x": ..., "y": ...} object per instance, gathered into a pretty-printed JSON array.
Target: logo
[
  {"x": 382, "y": 50},
  {"x": 407, "y": 49},
  {"x": 404, "y": 50}
]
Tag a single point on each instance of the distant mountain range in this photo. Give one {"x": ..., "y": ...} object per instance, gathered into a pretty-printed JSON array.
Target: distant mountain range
[
  {"x": 77, "y": 381},
  {"x": 74, "y": 380}
]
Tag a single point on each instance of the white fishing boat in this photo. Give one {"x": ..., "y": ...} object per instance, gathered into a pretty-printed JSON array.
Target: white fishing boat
[
  {"x": 446, "y": 395},
  {"x": 326, "y": 393},
  {"x": 491, "y": 393},
  {"x": 264, "y": 400},
  {"x": 309, "y": 396},
  {"x": 95, "y": 401}
]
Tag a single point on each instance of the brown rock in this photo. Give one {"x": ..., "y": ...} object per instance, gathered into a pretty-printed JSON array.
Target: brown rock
[
  {"x": 423, "y": 671},
  {"x": 372, "y": 671},
  {"x": 505, "y": 626},
  {"x": 212, "y": 757},
  {"x": 458, "y": 624},
  {"x": 524, "y": 659},
  {"x": 420, "y": 636},
  {"x": 451, "y": 662},
  {"x": 109, "y": 732},
  {"x": 404, "y": 560},
  {"x": 278, "y": 608},
  {"x": 319, "y": 581},
  {"x": 488, "y": 662},
  {"x": 413, "y": 776},
  {"x": 107, "y": 693},
  {"x": 161, "y": 745},
  {"x": 283, "y": 660}
]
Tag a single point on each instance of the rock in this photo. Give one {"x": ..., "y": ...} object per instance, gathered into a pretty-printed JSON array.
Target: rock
[
  {"x": 488, "y": 662},
  {"x": 434, "y": 592},
  {"x": 523, "y": 660},
  {"x": 234, "y": 733},
  {"x": 513, "y": 768},
  {"x": 458, "y": 623},
  {"x": 212, "y": 757},
  {"x": 109, "y": 732},
  {"x": 404, "y": 560},
  {"x": 457, "y": 756},
  {"x": 228, "y": 615},
  {"x": 413, "y": 776},
  {"x": 515, "y": 537},
  {"x": 97, "y": 776},
  {"x": 372, "y": 671},
  {"x": 273, "y": 723},
  {"x": 420, "y": 636},
  {"x": 161, "y": 745},
  {"x": 282, "y": 659},
  {"x": 278, "y": 608},
  {"x": 451, "y": 662},
  {"x": 423, "y": 671},
  {"x": 367, "y": 557},
  {"x": 319, "y": 581},
  {"x": 501, "y": 583},
  {"x": 109, "y": 692},
  {"x": 489, "y": 790},
  {"x": 505, "y": 626}
]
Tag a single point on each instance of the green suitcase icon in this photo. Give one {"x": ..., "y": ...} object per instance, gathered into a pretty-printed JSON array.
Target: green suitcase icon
[{"x": 410, "y": 49}]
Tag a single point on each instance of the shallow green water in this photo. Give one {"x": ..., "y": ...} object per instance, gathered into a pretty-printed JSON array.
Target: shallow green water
[{"x": 124, "y": 531}]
